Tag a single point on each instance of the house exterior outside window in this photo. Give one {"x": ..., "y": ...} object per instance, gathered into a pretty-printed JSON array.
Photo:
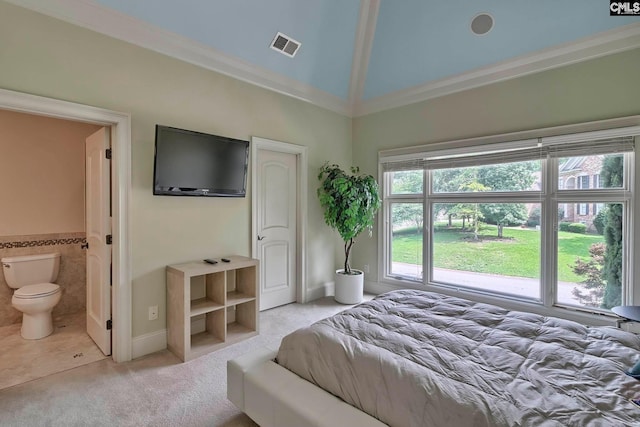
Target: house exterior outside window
[{"x": 585, "y": 172}]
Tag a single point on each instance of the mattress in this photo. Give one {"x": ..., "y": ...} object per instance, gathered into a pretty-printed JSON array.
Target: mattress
[{"x": 414, "y": 358}]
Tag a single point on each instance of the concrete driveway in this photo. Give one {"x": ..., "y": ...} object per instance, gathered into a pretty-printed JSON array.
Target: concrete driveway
[{"x": 520, "y": 286}]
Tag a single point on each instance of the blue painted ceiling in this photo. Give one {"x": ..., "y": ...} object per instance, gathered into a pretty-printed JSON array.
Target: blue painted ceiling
[
  {"x": 415, "y": 42},
  {"x": 245, "y": 29}
]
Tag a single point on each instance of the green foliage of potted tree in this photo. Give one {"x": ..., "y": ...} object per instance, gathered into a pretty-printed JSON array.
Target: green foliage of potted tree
[{"x": 350, "y": 202}]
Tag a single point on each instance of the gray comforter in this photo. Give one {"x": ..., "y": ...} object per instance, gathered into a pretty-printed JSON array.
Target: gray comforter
[{"x": 413, "y": 358}]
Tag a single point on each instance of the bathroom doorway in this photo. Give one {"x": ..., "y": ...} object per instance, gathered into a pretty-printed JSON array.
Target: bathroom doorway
[
  {"x": 119, "y": 126},
  {"x": 58, "y": 202}
]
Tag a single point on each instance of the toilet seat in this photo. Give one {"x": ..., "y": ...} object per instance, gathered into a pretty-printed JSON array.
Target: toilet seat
[{"x": 38, "y": 290}]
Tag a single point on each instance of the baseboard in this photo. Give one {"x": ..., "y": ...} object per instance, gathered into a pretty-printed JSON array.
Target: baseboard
[
  {"x": 327, "y": 289},
  {"x": 148, "y": 343},
  {"x": 377, "y": 288}
]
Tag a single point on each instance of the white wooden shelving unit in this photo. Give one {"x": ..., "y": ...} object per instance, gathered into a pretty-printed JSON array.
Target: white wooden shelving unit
[{"x": 211, "y": 306}]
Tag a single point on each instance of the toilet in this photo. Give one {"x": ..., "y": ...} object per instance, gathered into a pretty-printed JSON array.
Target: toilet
[{"x": 32, "y": 277}]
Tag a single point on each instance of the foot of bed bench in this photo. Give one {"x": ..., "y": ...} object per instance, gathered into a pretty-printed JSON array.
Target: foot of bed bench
[
  {"x": 276, "y": 397},
  {"x": 237, "y": 368}
]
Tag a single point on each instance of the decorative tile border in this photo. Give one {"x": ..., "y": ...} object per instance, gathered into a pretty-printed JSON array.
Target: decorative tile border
[
  {"x": 47, "y": 242},
  {"x": 41, "y": 240}
]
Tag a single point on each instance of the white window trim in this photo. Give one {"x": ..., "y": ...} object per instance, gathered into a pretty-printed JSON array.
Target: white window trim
[
  {"x": 566, "y": 134},
  {"x": 517, "y": 141}
]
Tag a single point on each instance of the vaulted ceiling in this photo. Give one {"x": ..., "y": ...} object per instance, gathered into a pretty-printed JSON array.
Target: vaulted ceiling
[{"x": 362, "y": 56}]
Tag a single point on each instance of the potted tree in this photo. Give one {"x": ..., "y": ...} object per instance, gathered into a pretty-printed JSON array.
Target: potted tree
[{"x": 350, "y": 202}]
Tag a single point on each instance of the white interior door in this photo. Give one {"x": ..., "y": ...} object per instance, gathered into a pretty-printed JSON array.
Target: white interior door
[
  {"x": 276, "y": 193},
  {"x": 98, "y": 226}
]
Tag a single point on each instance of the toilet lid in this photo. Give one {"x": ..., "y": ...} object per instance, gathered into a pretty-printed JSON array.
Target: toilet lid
[{"x": 37, "y": 290}]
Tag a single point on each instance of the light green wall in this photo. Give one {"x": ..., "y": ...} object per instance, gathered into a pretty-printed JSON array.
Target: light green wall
[
  {"x": 44, "y": 56},
  {"x": 599, "y": 89}
]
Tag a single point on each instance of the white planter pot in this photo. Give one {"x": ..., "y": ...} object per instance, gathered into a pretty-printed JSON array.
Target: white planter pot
[{"x": 349, "y": 287}]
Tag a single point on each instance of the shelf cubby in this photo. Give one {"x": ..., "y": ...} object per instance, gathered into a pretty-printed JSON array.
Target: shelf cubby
[{"x": 211, "y": 306}]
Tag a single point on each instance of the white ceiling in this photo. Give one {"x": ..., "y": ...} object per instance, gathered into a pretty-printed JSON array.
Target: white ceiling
[{"x": 361, "y": 56}]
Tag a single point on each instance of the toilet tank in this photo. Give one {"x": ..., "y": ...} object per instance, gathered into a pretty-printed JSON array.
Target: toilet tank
[{"x": 30, "y": 269}]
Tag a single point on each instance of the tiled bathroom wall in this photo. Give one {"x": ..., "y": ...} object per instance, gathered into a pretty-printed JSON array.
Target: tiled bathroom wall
[{"x": 71, "y": 278}]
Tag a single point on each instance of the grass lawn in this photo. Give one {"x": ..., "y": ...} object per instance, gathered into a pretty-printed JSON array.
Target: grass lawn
[{"x": 517, "y": 254}]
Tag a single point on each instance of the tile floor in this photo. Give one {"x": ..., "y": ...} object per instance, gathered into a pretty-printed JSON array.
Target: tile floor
[{"x": 68, "y": 347}]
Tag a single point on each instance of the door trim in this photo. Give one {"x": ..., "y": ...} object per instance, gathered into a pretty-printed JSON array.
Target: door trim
[
  {"x": 300, "y": 152},
  {"x": 120, "y": 125}
]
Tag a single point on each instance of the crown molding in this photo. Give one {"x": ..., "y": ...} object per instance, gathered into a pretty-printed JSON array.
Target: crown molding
[
  {"x": 605, "y": 43},
  {"x": 362, "y": 49},
  {"x": 95, "y": 17}
]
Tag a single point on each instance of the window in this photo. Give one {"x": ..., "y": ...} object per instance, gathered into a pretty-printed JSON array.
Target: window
[
  {"x": 583, "y": 209},
  {"x": 597, "y": 208},
  {"x": 583, "y": 182},
  {"x": 484, "y": 222},
  {"x": 406, "y": 230},
  {"x": 487, "y": 252},
  {"x": 406, "y": 182},
  {"x": 581, "y": 254}
]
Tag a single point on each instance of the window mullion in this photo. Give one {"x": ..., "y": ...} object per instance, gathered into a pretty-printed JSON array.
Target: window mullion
[
  {"x": 627, "y": 253},
  {"x": 549, "y": 237},
  {"x": 407, "y": 198},
  {"x": 514, "y": 197},
  {"x": 600, "y": 195},
  {"x": 388, "y": 238},
  {"x": 628, "y": 295},
  {"x": 427, "y": 223}
]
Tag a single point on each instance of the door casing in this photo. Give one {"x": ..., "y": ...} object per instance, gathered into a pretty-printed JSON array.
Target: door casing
[{"x": 120, "y": 126}]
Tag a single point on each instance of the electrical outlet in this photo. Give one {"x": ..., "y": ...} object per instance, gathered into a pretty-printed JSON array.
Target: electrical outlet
[
  {"x": 366, "y": 268},
  {"x": 153, "y": 312}
]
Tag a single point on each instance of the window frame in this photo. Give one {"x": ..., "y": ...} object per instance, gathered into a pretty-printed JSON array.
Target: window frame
[
  {"x": 551, "y": 198},
  {"x": 386, "y": 209}
]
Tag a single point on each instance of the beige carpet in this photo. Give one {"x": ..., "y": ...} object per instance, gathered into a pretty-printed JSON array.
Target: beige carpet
[{"x": 156, "y": 390}]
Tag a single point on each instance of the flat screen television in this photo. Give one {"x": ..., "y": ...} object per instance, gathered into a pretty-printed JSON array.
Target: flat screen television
[{"x": 189, "y": 163}]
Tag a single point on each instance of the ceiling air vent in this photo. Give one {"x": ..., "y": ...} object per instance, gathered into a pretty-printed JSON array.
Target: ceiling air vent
[{"x": 285, "y": 45}]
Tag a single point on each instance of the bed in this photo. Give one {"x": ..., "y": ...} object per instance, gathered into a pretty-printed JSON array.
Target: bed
[{"x": 414, "y": 358}]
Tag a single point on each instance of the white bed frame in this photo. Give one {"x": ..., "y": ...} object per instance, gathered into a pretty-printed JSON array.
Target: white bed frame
[{"x": 273, "y": 396}]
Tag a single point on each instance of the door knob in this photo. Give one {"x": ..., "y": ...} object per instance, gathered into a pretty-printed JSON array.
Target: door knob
[{"x": 261, "y": 237}]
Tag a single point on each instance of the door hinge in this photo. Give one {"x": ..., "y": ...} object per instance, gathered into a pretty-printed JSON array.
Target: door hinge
[
  {"x": 109, "y": 239},
  {"x": 107, "y": 153},
  {"x": 109, "y": 324}
]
